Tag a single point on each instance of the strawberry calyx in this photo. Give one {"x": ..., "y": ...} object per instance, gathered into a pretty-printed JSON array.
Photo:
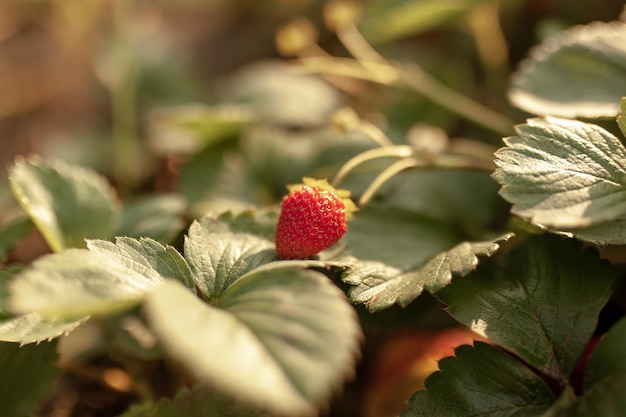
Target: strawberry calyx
[{"x": 324, "y": 185}]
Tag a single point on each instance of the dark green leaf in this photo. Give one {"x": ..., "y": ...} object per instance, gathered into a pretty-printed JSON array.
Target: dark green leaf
[
  {"x": 159, "y": 217},
  {"x": 580, "y": 72},
  {"x": 280, "y": 338},
  {"x": 197, "y": 402},
  {"x": 68, "y": 204},
  {"x": 380, "y": 286},
  {"x": 27, "y": 376},
  {"x": 12, "y": 231},
  {"x": 606, "y": 399},
  {"x": 543, "y": 304},
  {"x": 481, "y": 381},
  {"x": 398, "y": 237},
  {"x": 563, "y": 174},
  {"x": 607, "y": 359},
  {"x": 219, "y": 255}
]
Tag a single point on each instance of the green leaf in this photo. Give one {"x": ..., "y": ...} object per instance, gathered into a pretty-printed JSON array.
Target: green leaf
[
  {"x": 190, "y": 128},
  {"x": 147, "y": 257},
  {"x": 607, "y": 359},
  {"x": 580, "y": 72},
  {"x": 387, "y": 20},
  {"x": 12, "y": 231},
  {"x": 282, "y": 339},
  {"x": 5, "y": 276},
  {"x": 398, "y": 237},
  {"x": 563, "y": 174},
  {"x": 68, "y": 204},
  {"x": 380, "y": 286},
  {"x": 33, "y": 328},
  {"x": 481, "y": 381},
  {"x": 196, "y": 402},
  {"x": 27, "y": 376},
  {"x": 219, "y": 255},
  {"x": 159, "y": 217},
  {"x": 76, "y": 283},
  {"x": 621, "y": 122},
  {"x": 543, "y": 304}
]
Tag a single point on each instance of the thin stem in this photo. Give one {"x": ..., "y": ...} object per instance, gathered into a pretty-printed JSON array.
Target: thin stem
[
  {"x": 400, "y": 151},
  {"x": 385, "y": 176},
  {"x": 352, "y": 39}
]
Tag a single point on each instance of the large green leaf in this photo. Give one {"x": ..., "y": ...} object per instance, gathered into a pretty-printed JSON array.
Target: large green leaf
[
  {"x": 27, "y": 376},
  {"x": 68, "y": 204},
  {"x": 379, "y": 286},
  {"x": 607, "y": 359},
  {"x": 481, "y": 381},
  {"x": 219, "y": 254},
  {"x": 580, "y": 72},
  {"x": 281, "y": 339},
  {"x": 543, "y": 304},
  {"x": 159, "y": 217},
  {"x": 563, "y": 174},
  {"x": 103, "y": 280}
]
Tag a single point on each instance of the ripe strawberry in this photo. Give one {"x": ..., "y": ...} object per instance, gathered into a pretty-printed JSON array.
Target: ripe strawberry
[{"x": 313, "y": 217}]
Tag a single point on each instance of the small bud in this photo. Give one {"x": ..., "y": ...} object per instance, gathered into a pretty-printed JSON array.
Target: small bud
[
  {"x": 340, "y": 13},
  {"x": 295, "y": 36},
  {"x": 345, "y": 119}
]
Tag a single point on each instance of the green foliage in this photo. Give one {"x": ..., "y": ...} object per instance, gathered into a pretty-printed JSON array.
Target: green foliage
[{"x": 29, "y": 366}]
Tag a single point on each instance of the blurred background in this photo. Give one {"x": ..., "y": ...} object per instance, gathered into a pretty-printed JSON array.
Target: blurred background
[{"x": 199, "y": 98}]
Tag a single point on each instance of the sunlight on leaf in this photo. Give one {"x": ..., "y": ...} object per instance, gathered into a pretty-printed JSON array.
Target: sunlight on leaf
[
  {"x": 77, "y": 282},
  {"x": 563, "y": 174},
  {"x": 32, "y": 328},
  {"x": 31, "y": 366},
  {"x": 219, "y": 254},
  {"x": 481, "y": 381},
  {"x": 543, "y": 305},
  {"x": 146, "y": 256},
  {"x": 379, "y": 286},
  {"x": 282, "y": 339},
  {"x": 68, "y": 204},
  {"x": 580, "y": 72}
]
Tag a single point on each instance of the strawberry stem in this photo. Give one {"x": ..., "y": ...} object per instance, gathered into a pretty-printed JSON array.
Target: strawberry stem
[{"x": 398, "y": 151}]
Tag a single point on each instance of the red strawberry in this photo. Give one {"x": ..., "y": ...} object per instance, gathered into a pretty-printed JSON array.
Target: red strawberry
[{"x": 313, "y": 217}]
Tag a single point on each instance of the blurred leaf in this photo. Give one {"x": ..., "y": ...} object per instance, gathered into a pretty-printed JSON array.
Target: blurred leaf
[
  {"x": 190, "y": 128},
  {"x": 216, "y": 180},
  {"x": 543, "y": 304},
  {"x": 33, "y": 328},
  {"x": 621, "y": 121},
  {"x": 159, "y": 217},
  {"x": 27, "y": 376},
  {"x": 197, "y": 402},
  {"x": 481, "y": 381},
  {"x": 580, "y": 72},
  {"x": 68, "y": 204},
  {"x": 379, "y": 286},
  {"x": 12, "y": 231},
  {"x": 563, "y": 174},
  {"x": 281, "y": 338},
  {"x": 218, "y": 256},
  {"x": 387, "y": 20},
  {"x": 5, "y": 276},
  {"x": 278, "y": 95},
  {"x": 103, "y": 280}
]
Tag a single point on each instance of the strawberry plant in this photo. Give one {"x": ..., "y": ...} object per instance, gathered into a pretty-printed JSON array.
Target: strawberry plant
[{"x": 309, "y": 261}]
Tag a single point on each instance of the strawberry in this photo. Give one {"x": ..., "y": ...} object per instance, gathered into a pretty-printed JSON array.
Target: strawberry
[{"x": 313, "y": 217}]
